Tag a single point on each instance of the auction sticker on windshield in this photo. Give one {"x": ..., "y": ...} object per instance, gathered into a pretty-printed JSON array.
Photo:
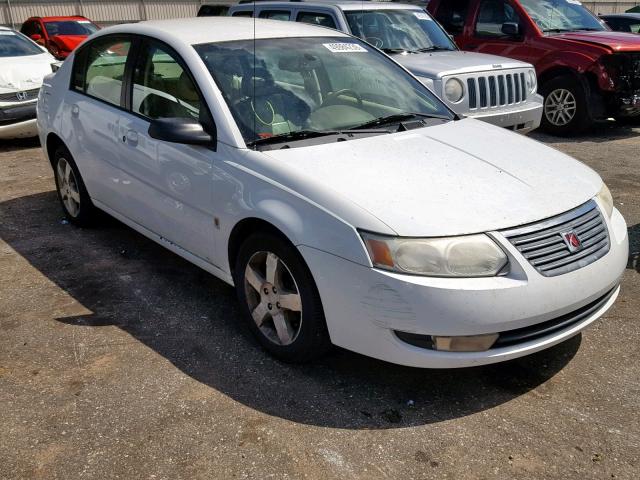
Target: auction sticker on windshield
[
  {"x": 344, "y": 47},
  {"x": 422, "y": 16}
]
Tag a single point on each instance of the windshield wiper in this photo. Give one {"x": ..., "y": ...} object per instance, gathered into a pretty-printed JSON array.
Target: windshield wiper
[
  {"x": 433, "y": 48},
  {"x": 397, "y": 118},
  {"x": 297, "y": 135},
  {"x": 565, "y": 30},
  {"x": 394, "y": 50}
]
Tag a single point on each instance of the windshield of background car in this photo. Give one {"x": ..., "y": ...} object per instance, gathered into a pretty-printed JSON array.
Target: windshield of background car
[
  {"x": 402, "y": 30},
  {"x": 15, "y": 45},
  {"x": 70, "y": 27},
  {"x": 561, "y": 15},
  {"x": 317, "y": 84}
]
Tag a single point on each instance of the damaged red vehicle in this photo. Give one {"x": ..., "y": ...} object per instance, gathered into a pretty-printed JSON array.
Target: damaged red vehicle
[
  {"x": 585, "y": 71},
  {"x": 59, "y": 35}
]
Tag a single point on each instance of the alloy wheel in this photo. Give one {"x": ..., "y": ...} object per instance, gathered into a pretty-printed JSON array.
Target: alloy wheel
[
  {"x": 68, "y": 186},
  {"x": 273, "y": 298},
  {"x": 560, "y": 107}
]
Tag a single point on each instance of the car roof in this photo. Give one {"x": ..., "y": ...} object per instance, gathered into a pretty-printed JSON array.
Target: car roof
[
  {"x": 221, "y": 29},
  {"x": 58, "y": 18},
  {"x": 344, "y": 5}
]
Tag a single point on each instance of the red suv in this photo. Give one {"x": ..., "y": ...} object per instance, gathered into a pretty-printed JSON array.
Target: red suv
[
  {"x": 585, "y": 71},
  {"x": 60, "y": 35}
]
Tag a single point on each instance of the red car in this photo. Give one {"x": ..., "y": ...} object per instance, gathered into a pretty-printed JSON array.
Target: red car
[
  {"x": 60, "y": 35},
  {"x": 585, "y": 71}
]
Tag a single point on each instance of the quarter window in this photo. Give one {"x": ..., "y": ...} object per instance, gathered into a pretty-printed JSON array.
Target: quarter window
[
  {"x": 99, "y": 69},
  {"x": 322, "y": 19},
  {"x": 452, "y": 15},
  {"x": 162, "y": 88},
  {"x": 276, "y": 15},
  {"x": 492, "y": 15}
]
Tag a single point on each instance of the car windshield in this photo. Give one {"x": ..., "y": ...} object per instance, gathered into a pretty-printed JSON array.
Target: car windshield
[
  {"x": 13, "y": 44},
  {"x": 399, "y": 30},
  {"x": 70, "y": 27},
  {"x": 316, "y": 84},
  {"x": 562, "y": 16}
]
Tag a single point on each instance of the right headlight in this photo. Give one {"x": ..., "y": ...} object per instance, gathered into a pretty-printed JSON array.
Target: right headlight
[
  {"x": 604, "y": 195},
  {"x": 453, "y": 90},
  {"x": 464, "y": 256}
]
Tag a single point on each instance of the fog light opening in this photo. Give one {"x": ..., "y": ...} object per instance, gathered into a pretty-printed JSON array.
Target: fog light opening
[{"x": 472, "y": 343}]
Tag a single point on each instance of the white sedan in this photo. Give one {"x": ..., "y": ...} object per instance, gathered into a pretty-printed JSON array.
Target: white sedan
[
  {"x": 343, "y": 200},
  {"x": 23, "y": 65}
]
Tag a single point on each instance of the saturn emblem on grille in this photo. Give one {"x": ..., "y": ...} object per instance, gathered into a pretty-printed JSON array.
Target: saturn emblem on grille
[
  {"x": 572, "y": 241},
  {"x": 22, "y": 96}
]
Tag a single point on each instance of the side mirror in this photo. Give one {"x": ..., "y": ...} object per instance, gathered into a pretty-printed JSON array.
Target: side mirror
[
  {"x": 511, "y": 29},
  {"x": 36, "y": 37},
  {"x": 180, "y": 130}
]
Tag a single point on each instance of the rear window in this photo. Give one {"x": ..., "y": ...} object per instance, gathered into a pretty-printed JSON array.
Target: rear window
[{"x": 12, "y": 44}]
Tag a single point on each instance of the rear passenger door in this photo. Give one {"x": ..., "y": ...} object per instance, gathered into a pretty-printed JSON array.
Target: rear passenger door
[
  {"x": 89, "y": 123},
  {"x": 167, "y": 187}
]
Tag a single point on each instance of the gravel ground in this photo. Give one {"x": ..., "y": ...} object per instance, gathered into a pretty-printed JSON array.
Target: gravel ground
[{"x": 120, "y": 360}]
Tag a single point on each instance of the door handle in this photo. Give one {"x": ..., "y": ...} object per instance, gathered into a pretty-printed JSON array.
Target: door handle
[
  {"x": 132, "y": 138},
  {"x": 75, "y": 111}
]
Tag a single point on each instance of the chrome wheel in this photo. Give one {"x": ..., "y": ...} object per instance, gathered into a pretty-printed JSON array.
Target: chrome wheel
[
  {"x": 68, "y": 187},
  {"x": 560, "y": 107},
  {"x": 273, "y": 298}
]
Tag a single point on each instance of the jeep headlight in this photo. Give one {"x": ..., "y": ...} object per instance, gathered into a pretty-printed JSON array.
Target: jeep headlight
[
  {"x": 532, "y": 81},
  {"x": 453, "y": 90},
  {"x": 606, "y": 200},
  {"x": 463, "y": 256}
]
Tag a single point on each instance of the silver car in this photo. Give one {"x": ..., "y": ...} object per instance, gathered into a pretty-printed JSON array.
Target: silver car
[{"x": 495, "y": 89}]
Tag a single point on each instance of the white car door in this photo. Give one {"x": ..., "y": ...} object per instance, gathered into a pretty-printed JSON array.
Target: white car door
[
  {"x": 168, "y": 187},
  {"x": 92, "y": 111}
]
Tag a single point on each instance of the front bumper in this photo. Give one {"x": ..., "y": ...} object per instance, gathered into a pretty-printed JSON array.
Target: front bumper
[
  {"x": 521, "y": 118},
  {"x": 17, "y": 120},
  {"x": 364, "y": 306}
]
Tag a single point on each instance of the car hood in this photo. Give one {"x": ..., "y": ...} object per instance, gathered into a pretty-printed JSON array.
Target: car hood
[
  {"x": 68, "y": 42},
  {"x": 24, "y": 73},
  {"x": 617, "y": 41},
  {"x": 455, "y": 62},
  {"x": 457, "y": 178}
]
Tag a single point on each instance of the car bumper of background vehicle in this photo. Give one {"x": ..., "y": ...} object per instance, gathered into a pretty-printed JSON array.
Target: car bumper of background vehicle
[
  {"x": 364, "y": 306},
  {"x": 17, "y": 120},
  {"x": 522, "y": 119}
]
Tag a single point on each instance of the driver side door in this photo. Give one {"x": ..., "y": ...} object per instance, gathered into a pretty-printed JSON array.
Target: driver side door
[
  {"x": 488, "y": 36},
  {"x": 166, "y": 187}
]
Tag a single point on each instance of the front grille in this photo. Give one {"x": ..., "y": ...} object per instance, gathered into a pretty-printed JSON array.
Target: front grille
[
  {"x": 16, "y": 96},
  {"x": 543, "y": 244},
  {"x": 497, "y": 90},
  {"x": 532, "y": 332}
]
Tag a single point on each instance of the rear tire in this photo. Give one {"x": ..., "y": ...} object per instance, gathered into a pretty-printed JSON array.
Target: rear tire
[
  {"x": 279, "y": 299},
  {"x": 72, "y": 193},
  {"x": 566, "y": 110}
]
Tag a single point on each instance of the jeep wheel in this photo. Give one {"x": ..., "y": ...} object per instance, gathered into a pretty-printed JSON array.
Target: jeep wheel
[{"x": 565, "y": 106}]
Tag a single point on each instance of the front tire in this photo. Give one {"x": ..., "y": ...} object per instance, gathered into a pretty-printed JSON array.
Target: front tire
[
  {"x": 279, "y": 299},
  {"x": 566, "y": 110},
  {"x": 72, "y": 193}
]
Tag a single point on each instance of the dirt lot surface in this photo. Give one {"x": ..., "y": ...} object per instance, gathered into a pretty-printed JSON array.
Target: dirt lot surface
[{"x": 120, "y": 360}]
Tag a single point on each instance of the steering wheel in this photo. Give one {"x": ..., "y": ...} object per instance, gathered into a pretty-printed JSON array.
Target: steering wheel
[{"x": 333, "y": 96}]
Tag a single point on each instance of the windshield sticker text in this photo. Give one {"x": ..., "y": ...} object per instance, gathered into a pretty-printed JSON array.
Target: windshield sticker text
[
  {"x": 422, "y": 16},
  {"x": 344, "y": 47}
]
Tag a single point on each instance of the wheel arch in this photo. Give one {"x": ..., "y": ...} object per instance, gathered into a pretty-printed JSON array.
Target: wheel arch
[{"x": 53, "y": 142}]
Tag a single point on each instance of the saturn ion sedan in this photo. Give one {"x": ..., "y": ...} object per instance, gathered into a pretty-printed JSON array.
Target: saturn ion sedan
[{"x": 343, "y": 200}]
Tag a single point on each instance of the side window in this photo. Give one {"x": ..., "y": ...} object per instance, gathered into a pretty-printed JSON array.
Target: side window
[
  {"x": 242, "y": 13},
  {"x": 27, "y": 29},
  {"x": 452, "y": 15},
  {"x": 276, "y": 15},
  {"x": 162, "y": 88},
  {"x": 322, "y": 19},
  {"x": 98, "y": 69},
  {"x": 492, "y": 15}
]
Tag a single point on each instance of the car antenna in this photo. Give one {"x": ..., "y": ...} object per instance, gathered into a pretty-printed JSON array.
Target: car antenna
[{"x": 253, "y": 77}]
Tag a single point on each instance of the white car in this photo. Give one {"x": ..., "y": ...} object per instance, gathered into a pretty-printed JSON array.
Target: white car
[
  {"x": 346, "y": 203},
  {"x": 23, "y": 65}
]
